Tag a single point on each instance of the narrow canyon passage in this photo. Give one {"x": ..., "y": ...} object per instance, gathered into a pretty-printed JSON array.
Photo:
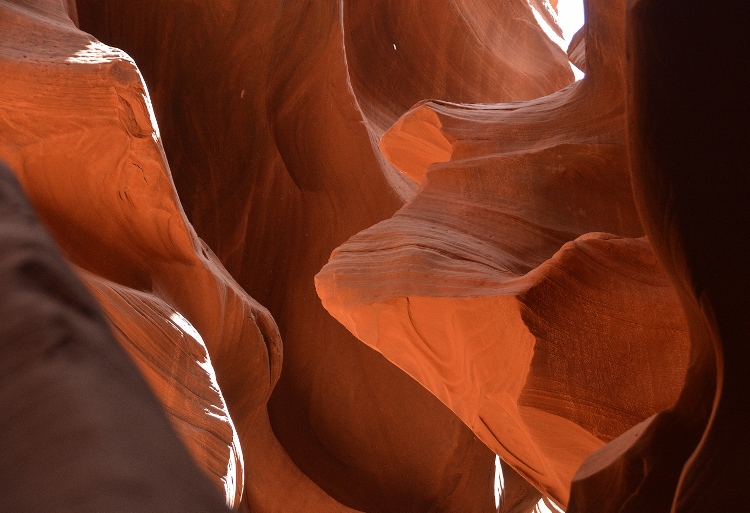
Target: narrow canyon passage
[{"x": 372, "y": 256}]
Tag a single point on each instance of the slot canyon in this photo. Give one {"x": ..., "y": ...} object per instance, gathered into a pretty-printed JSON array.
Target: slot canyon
[{"x": 374, "y": 256}]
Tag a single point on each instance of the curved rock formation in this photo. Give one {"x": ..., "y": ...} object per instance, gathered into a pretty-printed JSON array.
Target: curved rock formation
[
  {"x": 546, "y": 348},
  {"x": 544, "y": 366},
  {"x": 171, "y": 354},
  {"x": 401, "y": 52},
  {"x": 80, "y": 430},
  {"x": 78, "y": 128},
  {"x": 484, "y": 242},
  {"x": 688, "y": 118},
  {"x": 270, "y": 114},
  {"x": 577, "y": 49}
]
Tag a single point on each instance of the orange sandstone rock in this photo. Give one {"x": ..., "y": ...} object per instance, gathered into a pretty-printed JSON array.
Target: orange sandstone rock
[
  {"x": 688, "y": 127},
  {"x": 577, "y": 49},
  {"x": 543, "y": 366},
  {"x": 78, "y": 128},
  {"x": 79, "y": 429},
  {"x": 514, "y": 288},
  {"x": 492, "y": 287},
  {"x": 171, "y": 354},
  {"x": 270, "y": 114}
]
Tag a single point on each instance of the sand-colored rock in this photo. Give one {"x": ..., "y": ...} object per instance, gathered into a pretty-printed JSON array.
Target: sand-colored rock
[
  {"x": 80, "y": 431},
  {"x": 493, "y": 288},
  {"x": 270, "y": 114},
  {"x": 78, "y": 129}
]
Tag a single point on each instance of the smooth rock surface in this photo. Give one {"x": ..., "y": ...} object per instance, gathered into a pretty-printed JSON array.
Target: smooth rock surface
[
  {"x": 544, "y": 366},
  {"x": 485, "y": 240},
  {"x": 270, "y": 114},
  {"x": 495, "y": 288},
  {"x": 78, "y": 129},
  {"x": 173, "y": 358},
  {"x": 80, "y": 431},
  {"x": 688, "y": 126}
]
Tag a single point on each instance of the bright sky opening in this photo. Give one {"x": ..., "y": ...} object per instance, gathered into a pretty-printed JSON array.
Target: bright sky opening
[{"x": 570, "y": 18}]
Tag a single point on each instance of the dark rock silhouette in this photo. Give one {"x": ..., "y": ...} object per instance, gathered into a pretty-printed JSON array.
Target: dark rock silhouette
[
  {"x": 80, "y": 431},
  {"x": 687, "y": 117}
]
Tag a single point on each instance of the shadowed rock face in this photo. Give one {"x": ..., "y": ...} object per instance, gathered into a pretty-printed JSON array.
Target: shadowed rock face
[
  {"x": 489, "y": 287},
  {"x": 688, "y": 116},
  {"x": 515, "y": 286},
  {"x": 78, "y": 129},
  {"x": 80, "y": 429},
  {"x": 271, "y": 114}
]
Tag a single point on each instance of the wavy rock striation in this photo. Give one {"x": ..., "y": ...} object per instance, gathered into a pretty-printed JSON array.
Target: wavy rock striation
[
  {"x": 80, "y": 429},
  {"x": 172, "y": 356},
  {"x": 78, "y": 128},
  {"x": 515, "y": 285},
  {"x": 271, "y": 114},
  {"x": 485, "y": 240},
  {"x": 687, "y": 115}
]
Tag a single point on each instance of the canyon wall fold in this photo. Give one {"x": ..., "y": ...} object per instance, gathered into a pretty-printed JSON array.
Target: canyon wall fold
[
  {"x": 515, "y": 285},
  {"x": 270, "y": 113},
  {"x": 81, "y": 431},
  {"x": 687, "y": 120},
  {"x": 78, "y": 129},
  {"x": 499, "y": 290}
]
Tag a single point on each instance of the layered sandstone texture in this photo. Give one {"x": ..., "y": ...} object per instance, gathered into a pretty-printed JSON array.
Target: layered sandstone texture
[
  {"x": 516, "y": 286},
  {"x": 687, "y": 120},
  {"x": 439, "y": 224},
  {"x": 271, "y": 113},
  {"x": 78, "y": 129},
  {"x": 81, "y": 431}
]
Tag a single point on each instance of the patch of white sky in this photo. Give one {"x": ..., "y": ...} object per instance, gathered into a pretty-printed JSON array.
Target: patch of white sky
[
  {"x": 499, "y": 484},
  {"x": 544, "y": 505},
  {"x": 547, "y": 506},
  {"x": 570, "y": 18}
]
